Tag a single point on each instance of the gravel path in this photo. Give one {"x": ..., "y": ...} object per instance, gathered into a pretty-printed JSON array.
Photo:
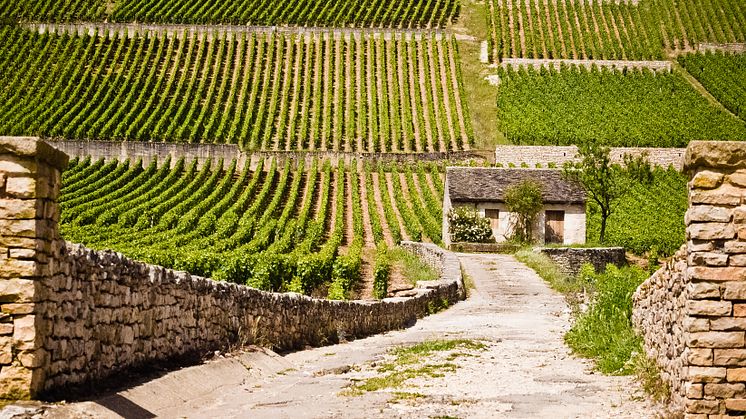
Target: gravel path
[{"x": 525, "y": 370}]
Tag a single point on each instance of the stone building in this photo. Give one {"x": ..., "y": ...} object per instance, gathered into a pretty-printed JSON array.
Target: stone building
[{"x": 561, "y": 220}]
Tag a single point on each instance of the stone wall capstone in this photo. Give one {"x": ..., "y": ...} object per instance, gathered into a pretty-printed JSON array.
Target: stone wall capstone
[
  {"x": 571, "y": 259},
  {"x": 72, "y": 315}
]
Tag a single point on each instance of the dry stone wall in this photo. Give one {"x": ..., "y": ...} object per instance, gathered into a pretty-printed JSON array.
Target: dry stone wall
[
  {"x": 706, "y": 296},
  {"x": 659, "y": 308},
  {"x": 557, "y": 64},
  {"x": 72, "y": 315},
  {"x": 148, "y": 151},
  {"x": 559, "y": 155},
  {"x": 571, "y": 259}
]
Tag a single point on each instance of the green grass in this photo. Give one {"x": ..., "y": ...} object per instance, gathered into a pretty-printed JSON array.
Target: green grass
[
  {"x": 549, "y": 271},
  {"x": 604, "y": 332},
  {"x": 412, "y": 267},
  {"x": 480, "y": 96}
]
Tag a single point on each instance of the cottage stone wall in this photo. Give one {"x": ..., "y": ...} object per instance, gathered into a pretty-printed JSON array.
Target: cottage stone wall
[
  {"x": 559, "y": 155},
  {"x": 659, "y": 311},
  {"x": 72, "y": 315},
  {"x": 571, "y": 259},
  {"x": 708, "y": 301}
]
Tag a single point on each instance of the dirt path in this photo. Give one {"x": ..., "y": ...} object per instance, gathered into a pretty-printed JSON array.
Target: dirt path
[
  {"x": 378, "y": 193},
  {"x": 524, "y": 371},
  {"x": 367, "y": 228}
]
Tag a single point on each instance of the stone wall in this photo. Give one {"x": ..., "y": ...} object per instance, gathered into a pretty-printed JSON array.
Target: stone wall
[
  {"x": 659, "y": 308},
  {"x": 72, "y": 315},
  {"x": 538, "y": 63},
  {"x": 147, "y": 151},
  {"x": 712, "y": 289},
  {"x": 571, "y": 259},
  {"x": 558, "y": 155}
]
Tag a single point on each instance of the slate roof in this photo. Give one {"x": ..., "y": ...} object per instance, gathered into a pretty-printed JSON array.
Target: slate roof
[{"x": 487, "y": 184}]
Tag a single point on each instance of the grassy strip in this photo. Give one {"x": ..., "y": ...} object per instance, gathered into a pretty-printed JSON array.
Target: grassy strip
[
  {"x": 411, "y": 266},
  {"x": 604, "y": 331}
]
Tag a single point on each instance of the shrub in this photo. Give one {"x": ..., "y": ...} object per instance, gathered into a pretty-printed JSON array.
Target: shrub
[
  {"x": 381, "y": 270},
  {"x": 466, "y": 225},
  {"x": 524, "y": 200}
]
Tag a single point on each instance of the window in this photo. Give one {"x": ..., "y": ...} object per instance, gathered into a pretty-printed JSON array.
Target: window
[{"x": 494, "y": 216}]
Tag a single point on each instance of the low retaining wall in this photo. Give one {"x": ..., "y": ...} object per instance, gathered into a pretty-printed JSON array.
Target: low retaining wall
[
  {"x": 538, "y": 63},
  {"x": 101, "y": 312},
  {"x": 559, "y": 155},
  {"x": 658, "y": 316},
  {"x": 71, "y": 315},
  {"x": 147, "y": 151},
  {"x": 484, "y": 247},
  {"x": 571, "y": 259}
]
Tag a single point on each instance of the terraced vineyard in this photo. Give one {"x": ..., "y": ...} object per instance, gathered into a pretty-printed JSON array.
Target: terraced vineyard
[
  {"x": 723, "y": 75},
  {"x": 634, "y": 108},
  {"x": 651, "y": 216},
  {"x": 365, "y": 13},
  {"x": 610, "y": 30},
  {"x": 261, "y": 91},
  {"x": 279, "y": 227}
]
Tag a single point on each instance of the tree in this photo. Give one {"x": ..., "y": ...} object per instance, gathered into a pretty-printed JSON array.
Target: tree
[
  {"x": 605, "y": 181},
  {"x": 525, "y": 201}
]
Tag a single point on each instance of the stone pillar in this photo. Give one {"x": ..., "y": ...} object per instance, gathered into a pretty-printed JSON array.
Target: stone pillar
[
  {"x": 715, "y": 319},
  {"x": 30, "y": 172}
]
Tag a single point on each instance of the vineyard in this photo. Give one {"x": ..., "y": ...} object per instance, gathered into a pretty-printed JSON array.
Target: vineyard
[
  {"x": 650, "y": 217},
  {"x": 366, "y": 13},
  {"x": 283, "y": 226},
  {"x": 633, "y": 108},
  {"x": 261, "y": 91},
  {"x": 723, "y": 75},
  {"x": 610, "y": 30}
]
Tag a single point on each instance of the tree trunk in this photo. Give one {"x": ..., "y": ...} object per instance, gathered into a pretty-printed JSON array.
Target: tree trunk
[{"x": 602, "y": 237}]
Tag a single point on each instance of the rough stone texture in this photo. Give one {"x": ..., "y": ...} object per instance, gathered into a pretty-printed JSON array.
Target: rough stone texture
[
  {"x": 147, "y": 151},
  {"x": 538, "y": 63},
  {"x": 30, "y": 171},
  {"x": 571, "y": 259},
  {"x": 659, "y": 306},
  {"x": 71, "y": 315},
  {"x": 698, "y": 298},
  {"x": 559, "y": 155},
  {"x": 101, "y": 313}
]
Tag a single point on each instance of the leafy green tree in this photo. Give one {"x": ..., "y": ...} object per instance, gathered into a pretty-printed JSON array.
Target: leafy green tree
[
  {"x": 524, "y": 200},
  {"x": 606, "y": 182}
]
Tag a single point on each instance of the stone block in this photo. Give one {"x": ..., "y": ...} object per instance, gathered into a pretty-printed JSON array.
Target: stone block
[
  {"x": 728, "y": 324},
  {"x": 18, "y": 308},
  {"x": 734, "y": 273},
  {"x": 18, "y": 209},
  {"x": 21, "y": 187},
  {"x": 16, "y": 165},
  {"x": 741, "y": 232},
  {"x": 708, "y": 308},
  {"x": 730, "y": 357},
  {"x": 24, "y": 329},
  {"x": 15, "y": 382},
  {"x": 22, "y": 253},
  {"x": 701, "y": 290},
  {"x": 707, "y": 180},
  {"x": 724, "y": 391},
  {"x": 734, "y": 247},
  {"x": 18, "y": 228},
  {"x": 736, "y": 374},
  {"x": 696, "y": 324},
  {"x": 725, "y": 195},
  {"x": 699, "y": 357},
  {"x": 739, "y": 215},
  {"x": 707, "y": 213},
  {"x": 6, "y": 328},
  {"x": 736, "y": 404},
  {"x": 702, "y": 246},
  {"x": 708, "y": 259},
  {"x": 734, "y": 290},
  {"x": 737, "y": 178},
  {"x": 6, "y": 350},
  {"x": 739, "y": 310},
  {"x": 16, "y": 290},
  {"x": 737, "y": 260},
  {"x": 702, "y": 406},
  {"x": 715, "y": 339},
  {"x": 694, "y": 391},
  {"x": 707, "y": 374},
  {"x": 711, "y": 231}
]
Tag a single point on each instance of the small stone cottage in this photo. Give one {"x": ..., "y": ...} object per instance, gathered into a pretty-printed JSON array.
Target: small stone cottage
[{"x": 561, "y": 221}]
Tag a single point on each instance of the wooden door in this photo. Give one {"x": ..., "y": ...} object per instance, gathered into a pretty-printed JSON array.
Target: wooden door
[
  {"x": 554, "y": 227},
  {"x": 494, "y": 216}
]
